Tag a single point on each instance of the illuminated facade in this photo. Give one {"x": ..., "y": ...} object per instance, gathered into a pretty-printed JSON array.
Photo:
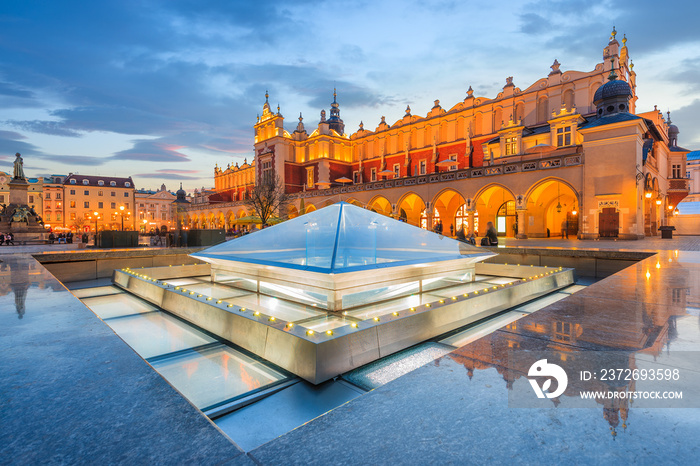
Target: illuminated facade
[
  {"x": 85, "y": 195},
  {"x": 53, "y": 202},
  {"x": 154, "y": 209},
  {"x": 232, "y": 183},
  {"x": 568, "y": 155}
]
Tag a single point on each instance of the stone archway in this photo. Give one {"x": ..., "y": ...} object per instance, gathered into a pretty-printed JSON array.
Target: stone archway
[
  {"x": 410, "y": 208},
  {"x": 381, "y": 205},
  {"x": 552, "y": 209},
  {"x": 446, "y": 203},
  {"x": 488, "y": 201}
]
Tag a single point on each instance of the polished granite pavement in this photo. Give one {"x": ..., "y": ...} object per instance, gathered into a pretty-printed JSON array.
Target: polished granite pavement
[
  {"x": 71, "y": 391},
  {"x": 456, "y": 409}
]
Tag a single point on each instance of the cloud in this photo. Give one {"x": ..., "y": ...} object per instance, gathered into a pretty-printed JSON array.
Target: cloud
[
  {"x": 167, "y": 176},
  {"x": 152, "y": 151},
  {"x": 13, "y": 90},
  {"x": 10, "y": 144},
  {"x": 54, "y": 128},
  {"x": 569, "y": 24},
  {"x": 533, "y": 23},
  {"x": 74, "y": 162},
  {"x": 11, "y": 135},
  {"x": 689, "y": 136},
  {"x": 172, "y": 171},
  {"x": 687, "y": 72}
]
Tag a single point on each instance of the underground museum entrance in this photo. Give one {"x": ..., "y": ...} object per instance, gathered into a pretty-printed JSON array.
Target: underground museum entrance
[{"x": 340, "y": 300}]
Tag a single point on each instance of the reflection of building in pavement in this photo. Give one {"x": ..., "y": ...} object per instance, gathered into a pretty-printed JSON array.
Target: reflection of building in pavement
[{"x": 585, "y": 332}]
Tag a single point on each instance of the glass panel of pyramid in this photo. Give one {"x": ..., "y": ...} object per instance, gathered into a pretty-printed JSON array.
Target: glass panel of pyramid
[{"x": 340, "y": 238}]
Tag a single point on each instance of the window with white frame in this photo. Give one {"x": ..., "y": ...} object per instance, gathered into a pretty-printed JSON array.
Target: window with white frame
[
  {"x": 512, "y": 145},
  {"x": 356, "y": 177},
  {"x": 454, "y": 167},
  {"x": 267, "y": 170},
  {"x": 397, "y": 170},
  {"x": 373, "y": 174},
  {"x": 676, "y": 171},
  {"x": 423, "y": 166},
  {"x": 564, "y": 136}
]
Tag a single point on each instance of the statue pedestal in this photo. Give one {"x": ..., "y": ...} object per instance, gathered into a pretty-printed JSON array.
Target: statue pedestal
[
  {"x": 18, "y": 192},
  {"x": 26, "y": 226}
]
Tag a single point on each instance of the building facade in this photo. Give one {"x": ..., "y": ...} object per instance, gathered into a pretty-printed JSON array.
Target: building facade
[
  {"x": 154, "y": 209},
  {"x": 93, "y": 203},
  {"x": 567, "y": 155},
  {"x": 53, "y": 214}
]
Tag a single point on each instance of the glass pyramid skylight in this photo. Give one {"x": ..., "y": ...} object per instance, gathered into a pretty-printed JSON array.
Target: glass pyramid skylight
[{"x": 340, "y": 238}]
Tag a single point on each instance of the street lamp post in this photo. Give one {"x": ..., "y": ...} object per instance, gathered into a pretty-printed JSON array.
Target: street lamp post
[
  {"x": 96, "y": 214},
  {"x": 121, "y": 208}
]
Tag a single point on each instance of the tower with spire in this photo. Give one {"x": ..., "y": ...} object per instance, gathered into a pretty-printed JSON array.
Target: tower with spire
[
  {"x": 269, "y": 124},
  {"x": 335, "y": 122}
]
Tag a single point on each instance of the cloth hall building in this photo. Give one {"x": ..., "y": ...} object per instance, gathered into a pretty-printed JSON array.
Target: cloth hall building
[{"x": 570, "y": 152}]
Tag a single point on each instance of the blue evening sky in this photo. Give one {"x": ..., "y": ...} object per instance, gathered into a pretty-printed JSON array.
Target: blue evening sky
[{"x": 163, "y": 89}]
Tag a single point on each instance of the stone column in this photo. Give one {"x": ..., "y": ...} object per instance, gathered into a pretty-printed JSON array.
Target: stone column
[
  {"x": 522, "y": 216},
  {"x": 470, "y": 220}
]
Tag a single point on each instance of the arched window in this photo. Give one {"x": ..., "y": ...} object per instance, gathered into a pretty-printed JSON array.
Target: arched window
[
  {"x": 100, "y": 183},
  {"x": 519, "y": 112},
  {"x": 542, "y": 110},
  {"x": 85, "y": 182},
  {"x": 461, "y": 218},
  {"x": 112, "y": 183},
  {"x": 497, "y": 119},
  {"x": 569, "y": 99}
]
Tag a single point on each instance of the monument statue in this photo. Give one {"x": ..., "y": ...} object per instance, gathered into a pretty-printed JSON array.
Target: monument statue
[
  {"x": 17, "y": 217},
  {"x": 21, "y": 214},
  {"x": 19, "y": 167}
]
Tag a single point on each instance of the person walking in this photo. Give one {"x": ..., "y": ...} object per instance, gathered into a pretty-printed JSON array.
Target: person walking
[{"x": 564, "y": 229}]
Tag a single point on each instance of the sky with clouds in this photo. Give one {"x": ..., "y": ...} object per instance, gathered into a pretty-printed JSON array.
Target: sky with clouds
[{"x": 162, "y": 90}]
